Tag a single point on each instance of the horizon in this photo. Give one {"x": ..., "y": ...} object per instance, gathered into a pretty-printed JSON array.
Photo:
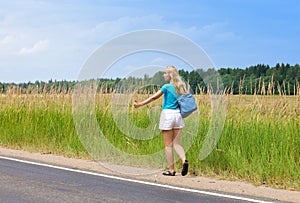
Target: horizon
[{"x": 51, "y": 80}]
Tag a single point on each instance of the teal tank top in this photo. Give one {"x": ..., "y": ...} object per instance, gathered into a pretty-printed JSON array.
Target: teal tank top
[{"x": 170, "y": 97}]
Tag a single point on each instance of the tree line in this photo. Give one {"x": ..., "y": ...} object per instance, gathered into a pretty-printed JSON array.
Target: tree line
[{"x": 257, "y": 79}]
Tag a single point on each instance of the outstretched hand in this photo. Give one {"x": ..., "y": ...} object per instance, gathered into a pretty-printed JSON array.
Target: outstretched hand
[{"x": 136, "y": 104}]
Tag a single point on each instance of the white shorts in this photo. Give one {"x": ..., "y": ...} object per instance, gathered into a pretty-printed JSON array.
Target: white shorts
[{"x": 170, "y": 119}]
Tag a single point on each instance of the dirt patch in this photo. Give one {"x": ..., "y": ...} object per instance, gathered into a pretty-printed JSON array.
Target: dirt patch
[{"x": 196, "y": 182}]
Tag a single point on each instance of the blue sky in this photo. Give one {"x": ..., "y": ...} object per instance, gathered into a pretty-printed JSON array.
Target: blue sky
[{"x": 43, "y": 40}]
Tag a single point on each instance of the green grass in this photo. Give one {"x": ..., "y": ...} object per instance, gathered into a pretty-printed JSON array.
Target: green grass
[
  {"x": 37, "y": 124},
  {"x": 260, "y": 142}
]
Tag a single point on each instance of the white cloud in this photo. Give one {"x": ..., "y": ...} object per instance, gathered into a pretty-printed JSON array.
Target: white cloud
[
  {"x": 37, "y": 47},
  {"x": 212, "y": 27},
  {"x": 213, "y": 33},
  {"x": 125, "y": 22},
  {"x": 158, "y": 60},
  {"x": 23, "y": 35},
  {"x": 7, "y": 39},
  {"x": 9, "y": 44},
  {"x": 108, "y": 29}
]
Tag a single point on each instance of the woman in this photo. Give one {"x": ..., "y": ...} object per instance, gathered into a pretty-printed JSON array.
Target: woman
[{"x": 171, "y": 122}]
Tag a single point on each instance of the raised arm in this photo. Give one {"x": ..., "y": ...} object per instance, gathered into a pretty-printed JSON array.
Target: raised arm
[{"x": 147, "y": 101}]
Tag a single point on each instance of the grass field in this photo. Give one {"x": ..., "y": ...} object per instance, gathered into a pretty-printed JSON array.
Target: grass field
[{"x": 260, "y": 142}]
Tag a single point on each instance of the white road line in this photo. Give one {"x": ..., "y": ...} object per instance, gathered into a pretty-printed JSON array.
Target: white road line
[{"x": 137, "y": 181}]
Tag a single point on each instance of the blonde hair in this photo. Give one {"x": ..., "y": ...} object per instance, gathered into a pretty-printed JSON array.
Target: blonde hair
[{"x": 176, "y": 80}]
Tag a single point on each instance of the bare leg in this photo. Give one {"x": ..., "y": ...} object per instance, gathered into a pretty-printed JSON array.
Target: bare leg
[
  {"x": 176, "y": 144},
  {"x": 168, "y": 141}
]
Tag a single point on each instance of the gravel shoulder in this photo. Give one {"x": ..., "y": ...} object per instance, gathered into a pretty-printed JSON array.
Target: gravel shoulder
[{"x": 196, "y": 182}]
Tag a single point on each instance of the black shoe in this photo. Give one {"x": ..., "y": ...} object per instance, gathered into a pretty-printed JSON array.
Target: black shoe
[
  {"x": 169, "y": 173},
  {"x": 185, "y": 168}
]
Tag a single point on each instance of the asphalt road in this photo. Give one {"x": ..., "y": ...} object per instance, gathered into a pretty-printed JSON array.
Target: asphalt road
[{"x": 23, "y": 182}]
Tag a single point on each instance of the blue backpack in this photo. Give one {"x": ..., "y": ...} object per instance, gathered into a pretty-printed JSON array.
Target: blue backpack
[{"x": 187, "y": 104}]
